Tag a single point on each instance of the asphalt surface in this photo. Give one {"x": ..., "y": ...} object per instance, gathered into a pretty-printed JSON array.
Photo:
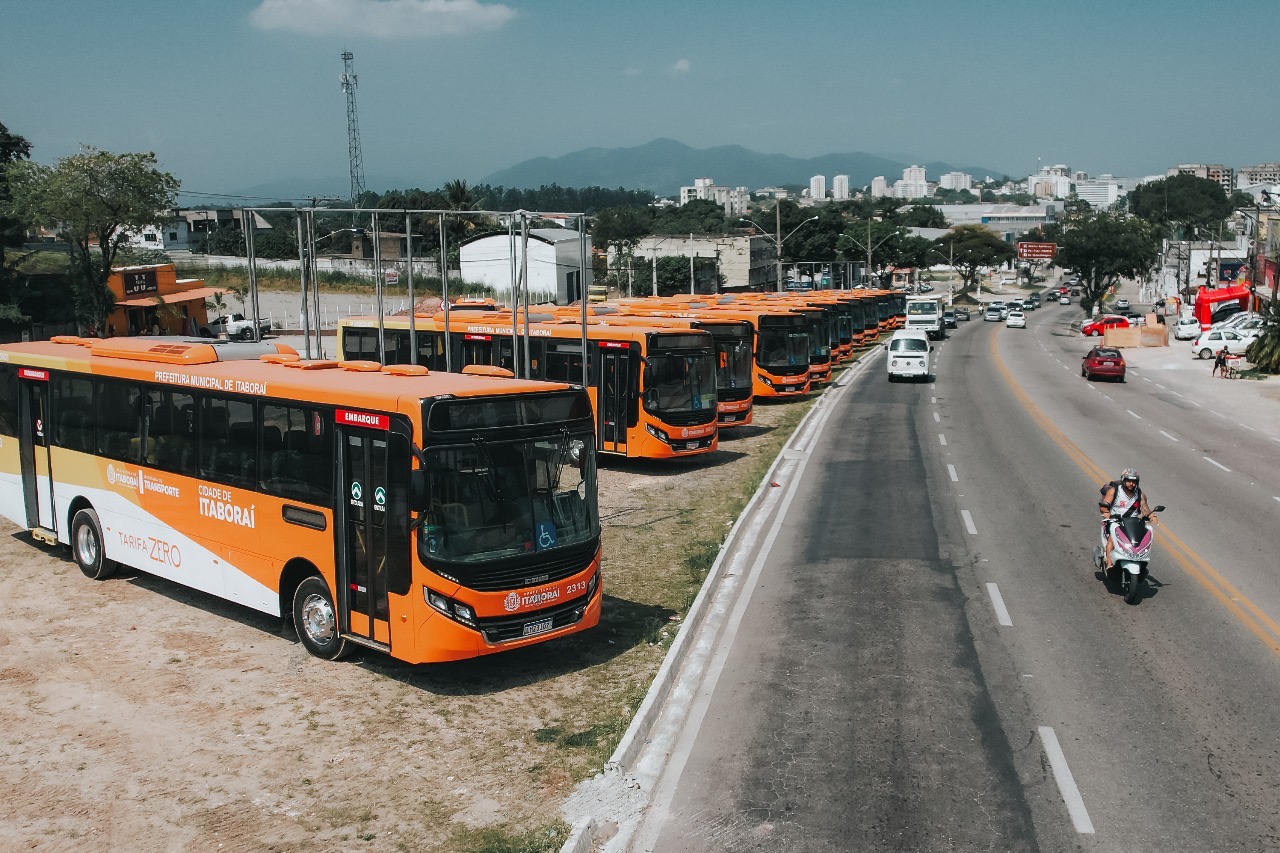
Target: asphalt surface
[{"x": 930, "y": 661}]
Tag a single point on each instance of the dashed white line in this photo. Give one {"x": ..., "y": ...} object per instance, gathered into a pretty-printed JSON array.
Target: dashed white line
[
  {"x": 951, "y": 472},
  {"x": 1158, "y": 385},
  {"x": 968, "y": 522},
  {"x": 1219, "y": 415},
  {"x": 942, "y": 439},
  {"x": 1175, "y": 393},
  {"x": 1194, "y": 403},
  {"x": 1066, "y": 782},
  {"x": 933, "y": 400},
  {"x": 1108, "y": 396},
  {"x": 1145, "y": 379},
  {"x": 1002, "y": 612},
  {"x": 1219, "y": 464},
  {"x": 1246, "y": 426},
  {"x": 1166, "y": 435},
  {"x": 937, "y": 418},
  {"x": 1135, "y": 414}
]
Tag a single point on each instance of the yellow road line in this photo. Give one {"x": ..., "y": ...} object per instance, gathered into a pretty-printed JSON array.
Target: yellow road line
[{"x": 1249, "y": 614}]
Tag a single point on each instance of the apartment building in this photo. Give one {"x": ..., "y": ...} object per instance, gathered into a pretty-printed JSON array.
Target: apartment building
[{"x": 732, "y": 199}]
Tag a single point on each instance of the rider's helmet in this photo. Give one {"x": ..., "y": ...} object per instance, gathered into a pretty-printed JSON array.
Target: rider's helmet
[{"x": 1129, "y": 476}]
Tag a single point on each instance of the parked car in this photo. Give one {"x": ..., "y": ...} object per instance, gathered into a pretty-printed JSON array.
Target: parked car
[
  {"x": 1099, "y": 325},
  {"x": 235, "y": 326},
  {"x": 924, "y": 287},
  {"x": 948, "y": 319},
  {"x": 1186, "y": 329},
  {"x": 1016, "y": 320},
  {"x": 1103, "y": 361},
  {"x": 992, "y": 314},
  {"x": 1215, "y": 339},
  {"x": 1121, "y": 304},
  {"x": 962, "y": 313}
]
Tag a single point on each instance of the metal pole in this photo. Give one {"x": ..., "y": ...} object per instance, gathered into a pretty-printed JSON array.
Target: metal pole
[
  {"x": 315, "y": 281},
  {"x": 691, "y": 251},
  {"x": 524, "y": 276},
  {"x": 377, "y": 288},
  {"x": 777, "y": 241},
  {"x": 655, "y": 269},
  {"x": 444, "y": 296},
  {"x": 253, "y": 268},
  {"x": 582, "y": 279},
  {"x": 302, "y": 271},
  {"x": 408, "y": 254}
]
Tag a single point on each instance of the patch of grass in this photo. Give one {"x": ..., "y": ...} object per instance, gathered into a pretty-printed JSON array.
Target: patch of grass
[
  {"x": 550, "y": 734},
  {"x": 503, "y": 839}
]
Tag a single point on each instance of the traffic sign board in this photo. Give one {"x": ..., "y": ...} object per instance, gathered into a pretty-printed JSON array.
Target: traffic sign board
[
  {"x": 392, "y": 276},
  {"x": 1037, "y": 251}
]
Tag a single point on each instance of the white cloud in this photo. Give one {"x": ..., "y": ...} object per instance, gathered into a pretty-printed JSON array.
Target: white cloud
[
  {"x": 381, "y": 18},
  {"x": 681, "y": 66}
]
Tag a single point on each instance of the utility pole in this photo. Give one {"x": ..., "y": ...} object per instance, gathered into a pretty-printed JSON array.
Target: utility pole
[
  {"x": 349, "y": 82},
  {"x": 777, "y": 208}
]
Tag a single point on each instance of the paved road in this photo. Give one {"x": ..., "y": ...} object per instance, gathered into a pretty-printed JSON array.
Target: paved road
[{"x": 872, "y": 699}]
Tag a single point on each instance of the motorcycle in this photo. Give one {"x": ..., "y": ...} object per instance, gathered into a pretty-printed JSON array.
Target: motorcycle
[{"x": 1131, "y": 539}]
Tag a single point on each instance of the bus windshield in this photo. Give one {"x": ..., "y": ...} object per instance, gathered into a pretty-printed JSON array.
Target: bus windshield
[
  {"x": 785, "y": 347},
  {"x": 491, "y": 500},
  {"x": 735, "y": 362},
  {"x": 680, "y": 383},
  {"x": 821, "y": 343}
]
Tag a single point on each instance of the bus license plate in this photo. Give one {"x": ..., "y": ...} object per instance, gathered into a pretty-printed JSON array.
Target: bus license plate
[
  {"x": 542, "y": 626},
  {"x": 691, "y": 445}
]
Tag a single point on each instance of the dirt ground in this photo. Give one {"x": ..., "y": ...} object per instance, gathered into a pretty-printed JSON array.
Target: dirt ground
[{"x": 136, "y": 714}]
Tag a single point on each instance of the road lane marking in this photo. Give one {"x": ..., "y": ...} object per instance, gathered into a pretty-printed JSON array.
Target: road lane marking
[
  {"x": 1145, "y": 379},
  {"x": 968, "y": 522},
  {"x": 1166, "y": 435},
  {"x": 1218, "y": 415},
  {"x": 1135, "y": 414},
  {"x": 1158, "y": 385},
  {"x": 942, "y": 439},
  {"x": 1002, "y": 612},
  {"x": 1196, "y": 567},
  {"x": 933, "y": 400},
  {"x": 951, "y": 472},
  {"x": 1246, "y": 426},
  {"x": 1194, "y": 403},
  {"x": 1108, "y": 396},
  {"x": 1066, "y": 782},
  {"x": 1219, "y": 464},
  {"x": 937, "y": 419}
]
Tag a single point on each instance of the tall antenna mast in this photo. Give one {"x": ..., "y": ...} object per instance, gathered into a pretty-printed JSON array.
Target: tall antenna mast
[{"x": 353, "y": 128}]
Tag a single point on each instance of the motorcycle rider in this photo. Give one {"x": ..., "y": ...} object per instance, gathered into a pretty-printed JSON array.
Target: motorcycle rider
[{"x": 1120, "y": 498}]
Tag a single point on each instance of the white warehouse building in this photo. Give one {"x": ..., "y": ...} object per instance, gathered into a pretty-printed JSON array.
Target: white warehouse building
[{"x": 555, "y": 264}]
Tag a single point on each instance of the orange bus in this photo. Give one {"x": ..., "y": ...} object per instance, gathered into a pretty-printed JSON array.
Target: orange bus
[
  {"x": 429, "y": 516},
  {"x": 820, "y": 318},
  {"x": 781, "y": 352},
  {"x": 733, "y": 342},
  {"x": 653, "y": 389}
]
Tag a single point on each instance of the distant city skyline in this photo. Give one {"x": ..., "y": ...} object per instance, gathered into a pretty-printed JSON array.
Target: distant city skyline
[{"x": 244, "y": 92}]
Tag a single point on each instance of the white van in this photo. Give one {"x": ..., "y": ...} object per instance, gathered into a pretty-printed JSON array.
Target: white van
[{"x": 908, "y": 355}]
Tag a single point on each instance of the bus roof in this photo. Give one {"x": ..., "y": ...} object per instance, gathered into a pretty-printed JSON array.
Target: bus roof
[
  {"x": 546, "y": 325},
  {"x": 202, "y": 365}
]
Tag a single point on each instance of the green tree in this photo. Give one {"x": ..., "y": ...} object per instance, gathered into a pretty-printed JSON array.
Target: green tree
[
  {"x": 876, "y": 240},
  {"x": 1102, "y": 248},
  {"x": 972, "y": 247},
  {"x": 922, "y": 216},
  {"x": 1180, "y": 204},
  {"x": 620, "y": 228},
  {"x": 95, "y": 198},
  {"x": 12, "y": 149},
  {"x": 1264, "y": 353}
]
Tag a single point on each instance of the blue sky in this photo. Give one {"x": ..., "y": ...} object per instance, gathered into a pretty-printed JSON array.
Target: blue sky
[{"x": 236, "y": 93}]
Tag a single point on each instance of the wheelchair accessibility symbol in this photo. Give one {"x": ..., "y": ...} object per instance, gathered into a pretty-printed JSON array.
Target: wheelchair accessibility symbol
[{"x": 546, "y": 535}]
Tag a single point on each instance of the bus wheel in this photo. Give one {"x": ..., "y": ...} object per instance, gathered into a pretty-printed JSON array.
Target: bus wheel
[
  {"x": 86, "y": 546},
  {"x": 317, "y": 621}
]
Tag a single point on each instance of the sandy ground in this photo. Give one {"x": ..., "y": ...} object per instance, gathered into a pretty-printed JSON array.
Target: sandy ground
[{"x": 136, "y": 714}]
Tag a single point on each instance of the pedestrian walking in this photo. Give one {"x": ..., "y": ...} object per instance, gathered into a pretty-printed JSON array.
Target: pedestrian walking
[{"x": 1220, "y": 363}]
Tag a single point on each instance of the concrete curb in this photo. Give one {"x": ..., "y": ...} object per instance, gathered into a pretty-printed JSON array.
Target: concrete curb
[{"x": 636, "y": 735}]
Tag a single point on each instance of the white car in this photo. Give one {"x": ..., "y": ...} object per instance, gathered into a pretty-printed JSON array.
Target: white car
[
  {"x": 1121, "y": 304},
  {"x": 1016, "y": 320},
  {"x": 1186, "y": 329},
  {"x": 908, "y": 355},
  {"x": 1213, "y": 340}
]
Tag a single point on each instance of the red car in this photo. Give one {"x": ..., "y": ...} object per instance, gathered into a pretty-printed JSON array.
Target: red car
[
  {"x": 1103, "y": 361},
  {"x": 1099, "y": 325}
]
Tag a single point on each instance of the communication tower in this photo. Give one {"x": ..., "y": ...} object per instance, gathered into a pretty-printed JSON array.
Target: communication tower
[{"x": 353, "y": 128}]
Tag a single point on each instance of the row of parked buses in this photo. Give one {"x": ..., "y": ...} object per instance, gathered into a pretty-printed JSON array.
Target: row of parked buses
[{"x": 379, "y": 500}]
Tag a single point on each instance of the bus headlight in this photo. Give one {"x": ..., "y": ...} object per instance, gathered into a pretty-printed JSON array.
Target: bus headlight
[
  {"x": 455, "y": 610},
  {"x": 657, "y": 433},
  {"x": 593, "y": 585},
  {"x": 765, "y": 380}
]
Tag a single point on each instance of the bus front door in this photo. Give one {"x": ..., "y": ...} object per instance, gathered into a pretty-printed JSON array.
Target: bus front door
[
  {"x": 613, "y": 397},
  {"x": 363, "y": 551},
  {"x": 33, "y": 446}
]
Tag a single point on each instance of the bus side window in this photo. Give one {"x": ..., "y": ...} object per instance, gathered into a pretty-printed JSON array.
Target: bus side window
[
  {"x": 73, "y": 405},
  {"x": 173, "y": 426},
  {"x": 300, "y": 467},
  {"x": 8, "y": 401},
  {"x": 119, "y": 411}
]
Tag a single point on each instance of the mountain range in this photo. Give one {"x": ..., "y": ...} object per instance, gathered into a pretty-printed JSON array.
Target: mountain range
[
  {"x": 664, "y": 165},
  {"x": 661, "y": 166}
]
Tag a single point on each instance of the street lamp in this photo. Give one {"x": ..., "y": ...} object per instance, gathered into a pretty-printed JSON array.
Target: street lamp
[
  {"x": 868, "y": 248},
  {"x": 778, "y": 240}
]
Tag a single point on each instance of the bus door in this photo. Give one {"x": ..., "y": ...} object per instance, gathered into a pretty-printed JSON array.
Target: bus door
[
  {"x": 33, "y": 447},
  {"x": 372, "y": 521},
  {"x": 613, "y": 395}
]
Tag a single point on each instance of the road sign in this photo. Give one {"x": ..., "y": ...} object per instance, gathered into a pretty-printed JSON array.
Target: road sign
[{"x": 1037, "y": 251}]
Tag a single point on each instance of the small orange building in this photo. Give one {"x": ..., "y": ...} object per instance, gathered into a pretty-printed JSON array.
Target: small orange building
[{"x": 152, "y": 299}]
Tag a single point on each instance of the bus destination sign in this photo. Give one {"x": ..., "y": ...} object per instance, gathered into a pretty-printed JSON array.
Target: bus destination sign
[{"x": 346, "y": 417}]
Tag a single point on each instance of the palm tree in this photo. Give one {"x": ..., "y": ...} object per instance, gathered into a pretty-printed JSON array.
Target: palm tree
[{"x": 458, "y": 196}]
